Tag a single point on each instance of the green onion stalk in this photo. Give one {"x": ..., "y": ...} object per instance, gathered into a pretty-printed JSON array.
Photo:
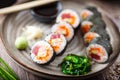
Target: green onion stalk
[{"x": 6, "y": 73}]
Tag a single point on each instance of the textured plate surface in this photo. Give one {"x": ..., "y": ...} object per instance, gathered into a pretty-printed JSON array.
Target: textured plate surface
[{"x": 12, "y": 28}]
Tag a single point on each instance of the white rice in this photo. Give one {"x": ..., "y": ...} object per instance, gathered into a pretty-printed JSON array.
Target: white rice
[
  {"x": 86, "y": 23},
  {"x": 57, "y": 42},
  {"x": 103, "y": 58},
  {"x": 90, "y": 13},
  {"x": 71, "y": 12},
  {"x": 90, "y": 33},
  {"x": 55, "y": 29},
  {"x": 42, "y": 44}
]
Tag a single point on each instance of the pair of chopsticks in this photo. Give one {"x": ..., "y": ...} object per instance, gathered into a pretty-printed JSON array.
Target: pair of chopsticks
[{"x": 25, "y": 6}]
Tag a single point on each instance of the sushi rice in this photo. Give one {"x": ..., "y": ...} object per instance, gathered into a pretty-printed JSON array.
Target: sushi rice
[
  {"x": 85, "y": 14},
  {"x": 65, "y": 29},
  {"x": 97, "y": 52},
  {"x": 70, "y": 16},
  {"x": 42, "y": 52},
  {"x": 88, "y": 37},
  {"x": 86, "y": 26},
  {"x": 57, "y": 41}
]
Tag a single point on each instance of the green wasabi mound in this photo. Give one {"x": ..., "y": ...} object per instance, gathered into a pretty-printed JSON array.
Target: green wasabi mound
[
  {"x": 21, "y": 43},
  {"x": 75, "y": 65}
]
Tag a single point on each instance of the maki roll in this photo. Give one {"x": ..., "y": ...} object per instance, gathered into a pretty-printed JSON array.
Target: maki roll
[
  {"x": 85, "y": 14},
  {"x": 69, "y": 16},
  {"x": 65, "y": 29},
  {"x": 94, "y": 10},
  {"x": 42, "y": 52},
  {"x": 102, "y": 32},
  {"x": 57, "y": 41},
  {"x": 99, "y": 50},
  {"x": 88, "y": 37},
  {"x": 97, "y": 21},
  {"x": 86, "y": 26}
]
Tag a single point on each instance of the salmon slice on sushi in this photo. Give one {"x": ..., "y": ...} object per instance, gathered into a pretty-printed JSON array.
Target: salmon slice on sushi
[
  {"x": 86, "y": 26},
  {"x": 88, "y": 37},
  {"x": 57, "y": 41},
  {"x": 65, "y": 29},
  {"x": 42, "y": 52},
  {"x": 99, "y": 50},
  {"x": 70, "y": 16}
]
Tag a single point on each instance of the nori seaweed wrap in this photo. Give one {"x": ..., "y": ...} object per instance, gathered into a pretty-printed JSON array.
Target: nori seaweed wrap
[
  {"x": 97, "y": 21},
  {"x": 102, "y": 32},
  {"x": 89, "y": 36},
  {"x": 94, "y": 10},
  {"x": 105, "y": 43},
  {"x": 99, "y": 50}
]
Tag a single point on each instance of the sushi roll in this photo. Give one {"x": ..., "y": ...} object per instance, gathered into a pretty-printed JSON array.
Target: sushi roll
[
  {"x": 85, "y": 14},
  {"x": 65, "y": 29},
  {"x": 86, "y": 26},
  {"x": 88, "y": 37},
  {"x": 57, "y": 41},
  {"x": 99, "y": 50},
  {"x": 42, "y": 52},
  {"x": 97, "y": 21},
  {"x": 94, "y": 10},
  {"x": 69, "y": 16},
  {"x": 102, "y": 32}
]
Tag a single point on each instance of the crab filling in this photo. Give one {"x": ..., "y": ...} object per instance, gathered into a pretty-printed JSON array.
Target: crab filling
[
  {"x": 56, "y": 42},
  {"x": 64, "y": 30},
  {"x": 42, "y": 53}
]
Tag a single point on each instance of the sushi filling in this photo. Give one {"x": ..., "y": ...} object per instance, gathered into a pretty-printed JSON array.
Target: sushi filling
[
  {"x": 86, "y": 14},
  {"x": 57, "y": 41},
  {"x": 69, "y": 16},
  {"x": 42, "y": 52},
  {"x": 65, "y": 29},
  {"x": 90, "y": 36},
  {"x": 86, "y": 26},
  {"x": 97, "y": 53}
]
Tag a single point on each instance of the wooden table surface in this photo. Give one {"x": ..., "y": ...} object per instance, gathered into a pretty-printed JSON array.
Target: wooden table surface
[{"x": 112, "y": 73}]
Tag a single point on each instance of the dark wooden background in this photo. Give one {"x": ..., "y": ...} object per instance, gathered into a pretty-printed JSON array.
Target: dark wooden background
[{"x": 112, "y": 73}]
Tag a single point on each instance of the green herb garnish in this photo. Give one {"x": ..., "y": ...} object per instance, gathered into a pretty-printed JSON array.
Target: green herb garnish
[
  {"x": 6, "y": 73},
  {"x": 75, "y": 65}
]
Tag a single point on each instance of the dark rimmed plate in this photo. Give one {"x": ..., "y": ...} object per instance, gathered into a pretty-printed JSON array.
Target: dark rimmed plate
[{"x": 12, "y": 27}]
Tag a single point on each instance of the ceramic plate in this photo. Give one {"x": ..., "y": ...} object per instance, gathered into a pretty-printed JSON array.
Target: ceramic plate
[{"x": 12, "y": 27}]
